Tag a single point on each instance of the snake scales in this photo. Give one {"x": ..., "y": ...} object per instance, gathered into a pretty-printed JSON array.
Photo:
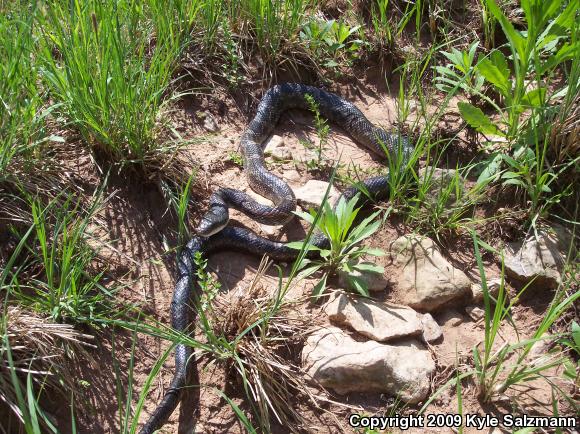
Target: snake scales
[{"x": 214, "y": 234}]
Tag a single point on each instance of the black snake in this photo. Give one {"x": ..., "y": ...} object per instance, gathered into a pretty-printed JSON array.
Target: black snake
[{"x": 215, "y": 234}]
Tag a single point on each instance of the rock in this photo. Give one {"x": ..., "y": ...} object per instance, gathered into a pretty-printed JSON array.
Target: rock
[
  {"x": 427, "y": 280},
  {"x": 335, "y": 360},
  {"x": 492, "y": 287},
  {"x": 475, "y": 312},
  {"x": 541, "y": 259},
  {"x": 273, "y": 231},
  {"x": 375, "y": 281},
  {"x": 276, "y": 149},
  {"x": 292, "y": 176},
  {"x": 540, "y": 347},
  {"x": 274, "y": 142},
  {"x": 451, "y": 318},
  {"x": 310, "y": 195},
  {"x": 439, "y": 179},
  {"x": 431, "y": 330},
  {"x": 374, "y": 319},
  {"x": 209, "y": 123}
]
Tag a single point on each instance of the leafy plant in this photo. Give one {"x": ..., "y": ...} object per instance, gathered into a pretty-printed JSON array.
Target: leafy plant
[
  {"x": 331, "y": 41},
  {"x": 344, "y": 252}
]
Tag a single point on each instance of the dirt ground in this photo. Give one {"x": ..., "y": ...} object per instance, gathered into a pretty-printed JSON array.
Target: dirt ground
[{"x": 137, "y": 228}]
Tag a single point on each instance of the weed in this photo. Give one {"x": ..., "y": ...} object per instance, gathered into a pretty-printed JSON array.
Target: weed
[
  {"x": 64, "y": 288},
  {"x": 236, "y": 158},
  {"x": 331, "y": 41},
  {"x": 345, "y": 252},
  {"x": 322, "y": 131}
]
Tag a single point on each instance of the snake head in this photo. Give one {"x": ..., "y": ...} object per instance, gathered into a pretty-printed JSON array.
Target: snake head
[{"x": 213, "y": 221}]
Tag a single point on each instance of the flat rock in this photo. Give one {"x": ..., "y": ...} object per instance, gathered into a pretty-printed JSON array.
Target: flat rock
[
  {"x": 334, "y": 359},
  {"x": 492, "y": 287},
  {"x": 431, "y": 330},
  {"x": 375, "y": 281},
  {"x": 540, "y": 260},
  {"x": 310, "y": 195},
  {"x": 374, "y": 319},
  {"x": 427, "y": 281}
]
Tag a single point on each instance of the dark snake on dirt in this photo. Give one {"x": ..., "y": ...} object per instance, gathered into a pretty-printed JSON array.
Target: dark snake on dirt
[{"x": 214, "y": 234}]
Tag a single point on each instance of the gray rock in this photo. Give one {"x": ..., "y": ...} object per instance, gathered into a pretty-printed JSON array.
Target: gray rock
[
  {"x": 492, "y": 287},
  {"x": 427, "y": 281},
  {"x": 335, "y": 360},
  {"x": 374, "y": 319},
  {"x": 375, "y": 281},
  {"x": 310, "y": 195},
  {"x": 475, "y": 312},
  {"x": 431, "y": 330},
  {"x": 541, "y": 259},
  {"x": 440, "y": 179}
]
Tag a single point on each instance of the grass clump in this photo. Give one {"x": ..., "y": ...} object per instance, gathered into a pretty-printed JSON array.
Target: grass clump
[
  {"x": 21, "y": 119},
  {"x": 109, "y": 65}
]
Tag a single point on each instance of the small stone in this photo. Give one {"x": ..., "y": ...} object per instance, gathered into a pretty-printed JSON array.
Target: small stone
[
  {"x": 272, "y": 231},
  {"x": 475, "y": 312},
  {"x": 376, "y": 320},
  {"x": 273, "y": 142},
  {"x": 334, "y": 359},
  {"x": 492, "y": 287},
  {"x": 431, "y": 330},
  {"x": 310, "y": 195},
  {"x": 541, "y": 259},
  {"x": 375, "y": 281},
  {"x": 427, "y": 281},
  {"x": 209, "y": 122},
  {"x": 451, "y": 318},
  {"x": 292, "y": 176},
  {"x": 540, "y": 347}
]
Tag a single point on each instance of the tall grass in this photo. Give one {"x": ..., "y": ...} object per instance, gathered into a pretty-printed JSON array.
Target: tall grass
[
  {"x": 110, "y": 65},
  {"x": 20, "y": 100}
]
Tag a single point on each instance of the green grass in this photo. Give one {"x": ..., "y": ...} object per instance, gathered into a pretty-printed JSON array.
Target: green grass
[
  {"x": 21, "y": 119},
  {"x": 110, "y": 65}
]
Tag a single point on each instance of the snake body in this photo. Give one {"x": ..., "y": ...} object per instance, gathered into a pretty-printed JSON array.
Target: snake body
[{"x": 215, "y": 234}]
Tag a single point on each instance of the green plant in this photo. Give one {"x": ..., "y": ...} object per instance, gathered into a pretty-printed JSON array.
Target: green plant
[
  {"x": 236, "y": 158},
  {"x": 523, "y": 106},
  {"x": 322, "y": 130},
  {"x": 179, "y": 200},
  {"x": 498, "y": 370},
  {"x": 21, "y": 117},
  {"x": 110, "y": 79},
  {"x": 381, "y": 23},
  {"x": 344, "y": 252},
  {"x": 331, "y": 41},
  {"x": 64, "y": 286}
]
